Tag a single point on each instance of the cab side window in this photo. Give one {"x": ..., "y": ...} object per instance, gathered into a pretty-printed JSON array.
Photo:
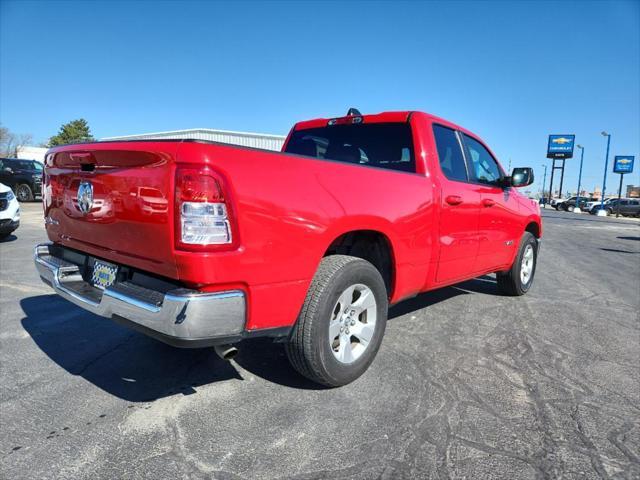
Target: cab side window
[
  {"x": 450, "y": 154},
  {"x": 484, "y": 168}
]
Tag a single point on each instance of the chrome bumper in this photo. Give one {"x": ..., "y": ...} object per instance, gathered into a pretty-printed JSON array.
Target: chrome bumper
[{"x": 180, "y": 317}]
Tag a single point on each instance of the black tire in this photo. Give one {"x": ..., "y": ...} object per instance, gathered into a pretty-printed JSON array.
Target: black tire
[
  {"x": 510, "y": 282},
  {"x": 4, "y": 235},
  {"x": 24, "y": 193},
  {"x": 308, "y": 347}
]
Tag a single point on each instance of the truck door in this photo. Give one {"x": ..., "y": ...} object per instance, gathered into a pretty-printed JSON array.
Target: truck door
[
  {"x": 459, "y": 209},
  {"x": 499, "y": 221}
]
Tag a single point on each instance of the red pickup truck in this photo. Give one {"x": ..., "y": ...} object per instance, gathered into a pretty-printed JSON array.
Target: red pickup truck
[{"x": 205, "y": 244}]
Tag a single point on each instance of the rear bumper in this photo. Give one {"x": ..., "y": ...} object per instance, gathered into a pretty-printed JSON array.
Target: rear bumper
[{"x": 180, "y": 317}]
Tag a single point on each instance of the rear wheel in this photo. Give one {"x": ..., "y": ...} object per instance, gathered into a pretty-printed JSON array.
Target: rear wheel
[
  {"x": 24, "y": 193},
  {"x": 519, "y": 278},
  {"x": 342, "y": 322}
]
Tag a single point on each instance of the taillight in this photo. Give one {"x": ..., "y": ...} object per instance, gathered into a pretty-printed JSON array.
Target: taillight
[{"x": 203, "y": 216}]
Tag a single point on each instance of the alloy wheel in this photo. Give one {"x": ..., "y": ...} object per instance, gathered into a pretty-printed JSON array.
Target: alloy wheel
[{"x": 353, "y": 323}]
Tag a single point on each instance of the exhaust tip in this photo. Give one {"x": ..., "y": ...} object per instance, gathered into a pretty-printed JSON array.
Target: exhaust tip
[{"x": 226, "y": 352}]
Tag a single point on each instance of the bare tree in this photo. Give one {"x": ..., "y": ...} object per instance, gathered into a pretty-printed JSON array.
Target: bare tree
[
  {"x": 4, "y": 139},
  {"x": 9, "y": 141}
]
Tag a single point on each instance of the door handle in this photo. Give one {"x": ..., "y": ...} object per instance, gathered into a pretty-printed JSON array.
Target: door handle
[
  {"x": 453, "y": 200},
  {"x": 487, "y": 202}
]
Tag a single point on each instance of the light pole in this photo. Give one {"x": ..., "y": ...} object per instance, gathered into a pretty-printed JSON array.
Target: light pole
[
  {"x": 544, "y": 181},
  {"x": 602, "y": 212},
  {"x": 577, "y": 207}
]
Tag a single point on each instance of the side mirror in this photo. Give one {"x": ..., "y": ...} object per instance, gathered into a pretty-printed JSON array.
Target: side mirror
[
  {"x": 8, "y": 170},
  {"x": 521, "y": 177}
]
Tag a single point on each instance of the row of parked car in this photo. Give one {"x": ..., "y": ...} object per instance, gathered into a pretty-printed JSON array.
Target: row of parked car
[
  {"x": 19, "y": 180},
  {"x": 629, "y": 207}
]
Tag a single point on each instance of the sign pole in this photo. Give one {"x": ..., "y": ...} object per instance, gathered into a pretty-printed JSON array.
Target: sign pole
[
  {"x": 606, "y": 165},
  {"x": 562, "y": 177},
  {"x": 619, "y": 196},
  {"x": 579, "y": 177},
  {"x": 544, "y": 180},
  {"x": 553, "y": 169}
]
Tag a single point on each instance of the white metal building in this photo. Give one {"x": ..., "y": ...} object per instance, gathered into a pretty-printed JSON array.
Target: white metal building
[
  {"x": 27, "y": 152},
  {"x": 246, "y": 139}
]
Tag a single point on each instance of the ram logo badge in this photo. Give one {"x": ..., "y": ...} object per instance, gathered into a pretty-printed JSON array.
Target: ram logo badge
[{"x": 85, "y": 197}]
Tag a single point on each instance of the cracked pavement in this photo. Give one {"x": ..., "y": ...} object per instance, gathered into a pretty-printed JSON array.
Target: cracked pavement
[{"x": 468, "y": 384}]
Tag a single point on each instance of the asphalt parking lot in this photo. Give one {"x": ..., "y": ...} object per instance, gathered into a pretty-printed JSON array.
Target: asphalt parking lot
[{"x": 468, "y": 384}]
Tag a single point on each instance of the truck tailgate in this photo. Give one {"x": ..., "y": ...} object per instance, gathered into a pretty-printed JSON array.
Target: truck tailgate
[{"x": 114, "y": 200}]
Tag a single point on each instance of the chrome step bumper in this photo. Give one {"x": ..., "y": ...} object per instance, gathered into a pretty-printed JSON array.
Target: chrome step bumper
[{"x": 180, "y": 317}]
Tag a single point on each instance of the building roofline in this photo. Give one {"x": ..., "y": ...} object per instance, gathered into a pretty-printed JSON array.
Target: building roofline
[{"x": 204, "y": 130}]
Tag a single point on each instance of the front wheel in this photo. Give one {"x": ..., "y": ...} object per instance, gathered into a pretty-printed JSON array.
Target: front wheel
[
  {"x": 24, "y": 193},
  {"x": 519, "y": 278},
  {"x": 342, "y": 322}
]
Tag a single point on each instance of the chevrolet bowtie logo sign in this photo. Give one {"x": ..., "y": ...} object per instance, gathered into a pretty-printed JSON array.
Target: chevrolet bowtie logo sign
[
  {"x": 560, "y": 146},
  {"x": 623, "y": 164}
]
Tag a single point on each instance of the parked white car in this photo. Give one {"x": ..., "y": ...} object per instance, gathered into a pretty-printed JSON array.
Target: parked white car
[
  {"x": 9, "y": 211},
  {"x": 590, "y": 205},
  {"x": 555, "y": 201}
]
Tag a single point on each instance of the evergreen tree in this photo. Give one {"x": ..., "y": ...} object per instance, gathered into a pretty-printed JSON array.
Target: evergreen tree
[{"x": 76, "y": 131}]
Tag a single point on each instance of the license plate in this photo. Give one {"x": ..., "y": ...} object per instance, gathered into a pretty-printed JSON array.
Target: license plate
[{"x": 104, "y": 274}]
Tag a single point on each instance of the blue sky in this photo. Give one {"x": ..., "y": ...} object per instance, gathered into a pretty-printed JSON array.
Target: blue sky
[{"x": 512, "y": 72}]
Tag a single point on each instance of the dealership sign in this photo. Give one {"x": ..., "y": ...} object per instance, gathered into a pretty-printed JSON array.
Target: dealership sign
[
  {"x": 623, "y": 164},
  {"x": 560, "y": 146}
]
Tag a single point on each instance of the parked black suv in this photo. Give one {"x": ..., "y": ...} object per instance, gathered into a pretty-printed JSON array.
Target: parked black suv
[
  {"x": 23, "y": 176},
  {"x": 629, "y": 207},
  {"x": 571, "y": 203}
]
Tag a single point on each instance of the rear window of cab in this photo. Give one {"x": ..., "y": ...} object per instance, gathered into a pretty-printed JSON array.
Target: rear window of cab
[{"x": 382, "y": 145}]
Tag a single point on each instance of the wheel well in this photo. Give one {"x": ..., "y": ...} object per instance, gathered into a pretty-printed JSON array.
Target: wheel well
[
  {"x": 369, "y": 245},
  {"x": 534, "y": 229}
]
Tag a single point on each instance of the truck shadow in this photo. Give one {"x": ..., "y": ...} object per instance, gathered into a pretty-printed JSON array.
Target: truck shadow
[
  {"x": 137, "y": 368},
  {"x": 485, "y": 284},
  {"x": 9, "y": 238},
  {"x": 124, "y": 363}
]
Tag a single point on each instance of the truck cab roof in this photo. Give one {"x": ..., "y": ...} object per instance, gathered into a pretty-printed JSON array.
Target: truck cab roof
[{"x": 382, "y": 117}]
